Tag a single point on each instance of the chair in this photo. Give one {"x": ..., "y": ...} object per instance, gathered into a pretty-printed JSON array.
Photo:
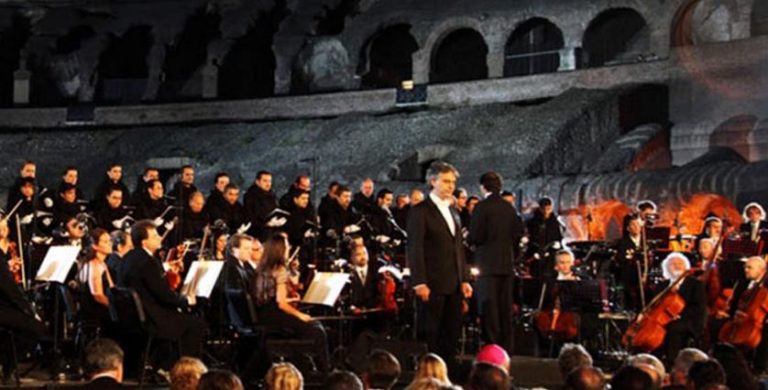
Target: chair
[
  {"x": 242, "y": 321},
  {"x": 126, "y": 309}
]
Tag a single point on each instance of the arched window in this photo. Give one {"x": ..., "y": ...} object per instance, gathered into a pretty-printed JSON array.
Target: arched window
[
  {"x": 386, "y": 58},
  {"x": 460, "y": 56},
  {"x": 123, "y": 68},
  {"x": 615, "y": 36},
  {"x": 533, "y": 48},
  {"x": 248, "y": 70},
  {"x": 12, "y": 40}
]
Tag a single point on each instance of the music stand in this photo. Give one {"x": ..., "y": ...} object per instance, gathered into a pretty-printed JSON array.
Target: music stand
[
  {"x": 658, "y": 237},
  {"x": 201, "y": 278},
  {"x": 580, "y": 296},
  {"x": 738, "y": 248},
  {"x": 325, "y": 288}
]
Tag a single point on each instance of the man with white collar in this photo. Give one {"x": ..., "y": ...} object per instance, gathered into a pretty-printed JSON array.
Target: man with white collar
[
  {"x": 564, "y": 260},
  {"x": 754, "y": 221},
  {"x": 439, "y": 272},
  {"x": 104, "y": 364}
]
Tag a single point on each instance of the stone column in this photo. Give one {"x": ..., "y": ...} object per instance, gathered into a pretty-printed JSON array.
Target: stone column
[
  {"x": 495, "y": 62},
  {"x": 568, "y": 59},
  {"x": 420, "y": 67},
  {"x": 22, "y": 82}
]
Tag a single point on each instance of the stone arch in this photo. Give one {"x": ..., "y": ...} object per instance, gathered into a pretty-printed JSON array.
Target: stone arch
[
  {"x": 533, "y": 48},
  {"x": 387, "y": 58},
  {"x": 735, "y": 133},
  {"x": 13, "y": 38},
  {"x": 187, "y": 53},
  {"x": 248, "y": 69},
  {"x": 123, "y": 69},
  {"x": 422, "y": 59},
  {"x": 460, "y": 55},
  {"x": 615, "y": 35},
  {"x": 759, "y": 18}
]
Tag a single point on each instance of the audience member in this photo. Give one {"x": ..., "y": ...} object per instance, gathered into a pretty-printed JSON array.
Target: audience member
[
  {"x": 631, "y": 378},
  {"x": 683, "y": 362},
  {"x": 343, "y": 380},
  {"x": 572, "y": 356},
  {"x": 219, "y": 380},
  {"x": 585, "y": 378},
  {"x": 705, "y": 374},
  {"x": 488, "y": 377},
  {"x": 652, "y": 365},
  {"x": 381, "y": 371},
  {"x": 493, "y": 355},
  {"x": 284, "y": 376},
  {"x": 104, "y": 365},
  {"x": 737, "y": 372},
  {"x": 186, "y": 373},
  {"x": 432, "y": 366}
]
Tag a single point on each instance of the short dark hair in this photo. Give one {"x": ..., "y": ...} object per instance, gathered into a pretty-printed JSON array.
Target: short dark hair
[
  {"x": 140, "y": 231},
  {"x": 112, "y": 189},
  {"x": 342, "y": 189},
  {"x": 343, "y": 380},
  {"x": 706, "y": 373},
  {"x": 147, "y": 169},
  {"x": 119, "y": 237},
  {"x": 151, "y": 183},
  {"x": 631, "y": 378},
  {"x": 217, "y": 379},
  {"x": 381, "y": 369},
  {"x": 262, "y": 173},
  {"x": 69, "y": 168},
  {"x": 113, "y": 165},
  {"x": 64, "y": 187},
  {"x": 544, "y": 202},
  {"x": 507, "y": 193},
  {"x": 236, "y": 240},
  {"x": 186, "y": 166},
  {"x": 585, "y": 378},
  {"x": 491, "y": 181},
  {"x": 439, "y": 167},
  {"x": 231, "y": 186},
  {"x": 383, "y": 192},
  {"x": 333, "y": 184},
  {"x": 102, "y": 355},
  {"x": 645, "y": 205},
  {"x": 488, "y": 377},
  {"x": 297, "y": 192},
  {"x": 220, "y": 175},
  {"x": 300, "y": 178}
]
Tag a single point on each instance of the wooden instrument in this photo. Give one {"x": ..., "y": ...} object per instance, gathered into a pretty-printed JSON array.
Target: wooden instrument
[
  {"x": 556, "y": 323},
  {"x": 647, "y": 332},
  {"x": 746, "y": 327},
  {"x": 716, "y": 294},
  {"x": 387, "y": 288}
]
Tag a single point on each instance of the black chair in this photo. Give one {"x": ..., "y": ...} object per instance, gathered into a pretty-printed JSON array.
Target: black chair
[
  {"x": 12, "y": 340},
  {"x": 243, "y": 329},
  {"x": 127, "y": 311}
]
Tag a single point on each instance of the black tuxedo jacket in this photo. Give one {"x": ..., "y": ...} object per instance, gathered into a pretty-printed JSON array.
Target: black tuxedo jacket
[
  {"x": 144, "y": 274},
  {"x": 365, "y": 295},
  {"x": 103, "y": 383},
  {"x": 434, "y": 255},
  {"x": 495, "y": 230}
]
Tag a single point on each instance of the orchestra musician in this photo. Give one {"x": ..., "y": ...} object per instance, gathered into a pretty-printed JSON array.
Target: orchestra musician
[
  {"x": 439, "y": 273},
  {"x": 709, "y": 239},
  {"x": 364, "y": 278},
  {"x": 66, "y": 205},
  {"x": 690, "y": 324},
  {"x": 110, "y": 213},
  {"x": 544, "y": 232},
  {"x": 460, "y": 202},
  {"x": 259, "y": 201},
  {"x": 143, "y": 272},
  {"x": 400, "y": 209},
  {"x": 625, "y": 264},
  {"x": 754, "y": 222},
  {"x": 185, "y": 187},
  {"x": 564, "y": 261},
  {"x": 95, "y": 280},
  {"x": 235, "y": 274},
  {"x": 230, "y": 211},
  {"x": 495, "y": 231},
  {"x": 113, "y": 178},
  {"x": 122, "y": 244},
  {"x": 195, "y": 217},
  {"x": 140, "y": 192}
]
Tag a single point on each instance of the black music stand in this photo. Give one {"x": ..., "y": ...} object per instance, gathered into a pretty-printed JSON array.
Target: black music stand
[{"x": 657, "y": 237}]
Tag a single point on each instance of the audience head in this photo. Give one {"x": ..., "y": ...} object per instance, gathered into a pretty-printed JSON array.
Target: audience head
[
  {"x": 737, "y": 372},
  {"x": 426, "y": 384},
  {"x": 144, "y": 235},
  {"x": 494, "y": 355},
  {"x": 488, "y": 377},
  {"x": 343, "y": 380},
  {"x": 432, "y": 366},
  {"x": 186, "y": 373},
  {"x": 585, "y": 378},
  {"x": 491, "y": 182},
  {"x": 652, "y": 365},
  {"x": 631, "y": 378},
  {"x": 705, "y": 374},
  {"x": 284, "y": 376},
  {"x": 683, "y": 362},
  {"x": 219, "y": 380},
  {"x": 571, "y": 357},
  {"x": 104, "y": 357},
  {"x": 382, "y": 369}
]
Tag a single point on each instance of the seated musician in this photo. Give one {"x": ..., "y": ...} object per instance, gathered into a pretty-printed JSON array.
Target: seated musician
[
  {"x": 364, "y": 290},
  {"x": 66, "y": 206},
  {"x": 709, "y": 239},
  {"x": 110, "y": 213},
  {"x": 122, "y": 245},
  {"x": 564, "y": 260},
  {"x": 274, "y": 310},
  {"x": 95, "y": 280},
  {"x": 234, "y": 274},
  {"x": 16, "y": 313},
  {"x": 690, "y": 325},
  {"x": 625, "y": 264},
  {"x": 754, "y": 272},
  {"x": 143, "y": 272},
  {"x": 195, "y": 217},
  {"x": 754, "y": 222}
]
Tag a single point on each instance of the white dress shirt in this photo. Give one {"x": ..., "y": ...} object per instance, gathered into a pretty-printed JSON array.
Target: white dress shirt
[{"x": 445, "y": 209}]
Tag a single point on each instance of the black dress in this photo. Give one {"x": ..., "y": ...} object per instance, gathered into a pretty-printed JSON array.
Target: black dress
[{"x": 93, "y": 313}]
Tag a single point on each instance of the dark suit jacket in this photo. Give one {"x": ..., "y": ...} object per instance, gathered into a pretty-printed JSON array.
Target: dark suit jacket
[
  {"x": 103, "y": 383},
  {"x": 365, "y": 295},
  {"x": 144, "y": 274},
  {"x": 258, "y": 204},
  {"x": 495, "y": 230},
  {"x": 435, "y": 257},
  {"x": 695, "y": 312}
]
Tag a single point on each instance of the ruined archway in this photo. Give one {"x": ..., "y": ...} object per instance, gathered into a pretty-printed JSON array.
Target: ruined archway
[
  {"x": 460, "y": 56},
  {"x": 248, "y": 70},
  {"x": 615, "y": 36},
  {"x": 123, "y": 68},
  {"x": 386, "y": 59},
  {"x": 533, "y": 48}
]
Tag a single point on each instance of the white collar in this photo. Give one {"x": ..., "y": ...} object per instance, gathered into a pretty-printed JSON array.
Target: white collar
[{"x": 438, "y": 201}]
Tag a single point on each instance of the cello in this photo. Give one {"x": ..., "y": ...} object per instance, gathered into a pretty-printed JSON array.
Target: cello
[
  {"x": 745, "y": 329},
  {"x": 556, "y": 323},
  {"x": 648, "y": 331}
]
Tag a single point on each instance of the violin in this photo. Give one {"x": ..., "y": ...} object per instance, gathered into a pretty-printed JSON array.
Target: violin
[
  {"x": 648, "y": 331},
  {"x": 387, "y": 288},
  {"x": 15, "y": 263},
  {"x": 745, "y": 329},
  {"x": 175, "y": 262}
]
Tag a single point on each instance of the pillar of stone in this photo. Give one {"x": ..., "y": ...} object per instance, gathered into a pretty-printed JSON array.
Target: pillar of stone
[
  {"x": 210, "y": 81},
  {"x": 21, "y": 83},
  {"x": 567, "y": 59},
  {"x": 495, "y": 62},
  {"x": 420, "y": 67}
]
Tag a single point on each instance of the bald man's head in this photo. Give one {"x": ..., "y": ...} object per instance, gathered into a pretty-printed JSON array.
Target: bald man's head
[{"x": 754, "y": 269}]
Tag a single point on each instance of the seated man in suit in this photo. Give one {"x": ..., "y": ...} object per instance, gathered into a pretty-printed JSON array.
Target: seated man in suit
[
  {"x": 364, "y": 279},
  {"x": 104, "y": 365},
  {"x": 144, "y": 273}
]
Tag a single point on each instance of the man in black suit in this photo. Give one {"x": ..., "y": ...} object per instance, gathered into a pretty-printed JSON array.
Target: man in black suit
[
  {"x": 625, "y": 263},
  {"x": 231, "y": 211},
  {"x": 104, "y": 365},
  {"x": 692, "y": 319},
  {"x": 364, "y": 280},
  {"x": 143, "y": 272},
  {"x": 259, "y": 202},
  {"x": 234, "y": 274},
  {"x": 754, "y": 222},
  {"x": 435, "y": 255},
  {"x": 495, "y": 230}
]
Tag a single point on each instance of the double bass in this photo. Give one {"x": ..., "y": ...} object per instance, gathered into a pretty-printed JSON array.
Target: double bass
[
  {"x": 648, "y": 331},
  {"x": 745, "y": 329}
]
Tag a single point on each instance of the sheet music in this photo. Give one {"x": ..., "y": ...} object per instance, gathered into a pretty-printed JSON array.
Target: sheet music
[
  {"x": 325, "y": 288},
  {"x": 57, "y": 263},
  {"x": 201, "y": 278}
]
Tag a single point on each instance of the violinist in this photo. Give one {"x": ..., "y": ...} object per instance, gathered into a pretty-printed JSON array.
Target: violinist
[
  {"x": 625, "y": 264},
  {"x": 754, "y": 222},
  {"x": 754, "y": 272},
  {"x": 110, "y": 213},
  {"x": 16, "y": 312},
  {"x": 95, "y": 280},
  {"x": 690, "y": 324},
  {"x": 709, "y": 239}
]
